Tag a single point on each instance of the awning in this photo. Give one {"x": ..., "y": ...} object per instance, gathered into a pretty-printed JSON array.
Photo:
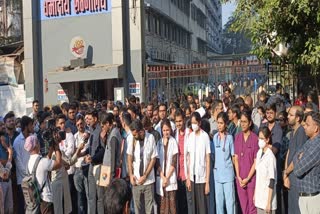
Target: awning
[{"x": 97, "y": 72}]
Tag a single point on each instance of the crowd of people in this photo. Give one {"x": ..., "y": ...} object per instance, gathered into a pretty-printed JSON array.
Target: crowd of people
[{"x": 186, "y": 156}]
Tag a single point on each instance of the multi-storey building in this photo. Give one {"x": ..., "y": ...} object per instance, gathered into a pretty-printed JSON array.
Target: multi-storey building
[{"x": 83, "y": 49}]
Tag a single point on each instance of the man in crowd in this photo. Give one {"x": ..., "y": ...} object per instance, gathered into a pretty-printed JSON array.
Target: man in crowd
[
  {"x": 71, "y": 121},
  {"x": 94, "y": 157},
  {"x": 6, "y": 184},
  {"x": 21, "y": 157},
  {"x": 35, "y": 109},
  {"x": 150, "y": 108},
  {"x": 306, "y": 168},
  {"x": 234, "y": 118},
  {"x": 117, "y": 198},
  {"x": 44, "y": 166},
  {"x": 142, "y": 154},
  {"x": 276, "y": 136},
  {"x": 163, "y": 115},
  {"x": 217, "y": 107},
  {"x": 297, "y": 139}
]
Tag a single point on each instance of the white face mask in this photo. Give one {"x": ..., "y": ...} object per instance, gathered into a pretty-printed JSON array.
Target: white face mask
[
  {"x": 195, "y": 127},
  {"x": 18, "y": 129},
  {"x": 261, "y": 143}
]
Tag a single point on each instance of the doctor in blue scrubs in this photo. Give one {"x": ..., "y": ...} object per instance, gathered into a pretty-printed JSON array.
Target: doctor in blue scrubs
[{"x": 223, "y": 168}]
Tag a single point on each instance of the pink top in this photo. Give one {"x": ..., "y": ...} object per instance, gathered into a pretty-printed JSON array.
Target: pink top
[
  {"x": 246, "y": 152},
  {"x": 181, "y": 175}
]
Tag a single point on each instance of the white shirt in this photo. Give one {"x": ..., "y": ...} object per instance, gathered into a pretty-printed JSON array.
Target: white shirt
[
  {"x": 266, "y": 169},
  {"x": 67, "y": 147},
  {"x": 158, "y": 127},
  {"x": 150, "y": 151},
  {"x": 198, "y": 148},
  {"x": 21, "y": 157},
  {"x": 45, "y": 166},
  {"x": 78, "y": 141},
  {"x": 172, "y": 150}
]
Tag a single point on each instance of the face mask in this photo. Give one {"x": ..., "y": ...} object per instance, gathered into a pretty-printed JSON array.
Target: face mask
[
  {"x": 261, "y": 143},
  {"x": 195, "y": 127},
  {"x": 18, "y": 129}
]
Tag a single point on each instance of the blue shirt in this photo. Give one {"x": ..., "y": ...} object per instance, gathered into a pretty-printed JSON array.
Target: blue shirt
[
  {"x": 9, "y": 141},
  {"x": 72, "y": 126},
  {"x": 307, "y": 169},
  {"x": 223, "y": 152}
]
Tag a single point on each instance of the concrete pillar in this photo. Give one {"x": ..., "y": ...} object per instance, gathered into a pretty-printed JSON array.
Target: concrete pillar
[{"x": 33, "y": 76}]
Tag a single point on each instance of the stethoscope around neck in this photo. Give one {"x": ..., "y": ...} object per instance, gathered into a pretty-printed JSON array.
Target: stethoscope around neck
[{"x": 224, "y": 142}]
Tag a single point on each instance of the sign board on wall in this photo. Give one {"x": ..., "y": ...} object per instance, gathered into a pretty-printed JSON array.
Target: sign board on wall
[
  {"x": 118, "y": 94},
  {"x": 62, "y": 95},
  {"x": 134, "y": 88},
  {"x": 53, "y": 9},
  {"x": 78, "y": 47}
]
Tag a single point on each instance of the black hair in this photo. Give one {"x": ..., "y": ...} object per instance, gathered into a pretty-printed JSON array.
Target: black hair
[
  {"x": 196, "y": 116},
  {"x": 93, "y": 112},
  {"x": 56, "y": 110},
  {"x": 167, "y": 123},
  {"x": 205, "y": 125},
  {"x": 247, "y": 114},
  {"x": 239, "y": 101},
  {"x": 236, "y": 109},
  {"x": 136, "y": 125},
  {"x": 309, "y": 105},
  {"x": 10, "y": 114},
  {"x": 284, "y": 114},
  {"x": 209, "y": 100},
  {"x": 61, "y": 116},
  {"x": 117, "y": 195},
  {"x": 162, "y": 104},
  {"x": 133, "y": 109},
  {"x": 223, "y": 116},
  {"x": 72, "y": 106},
  {"x": 146, "y": 122},
  {"x": 215, "y": 104},
  {"x": 271, "y": 106},
  {"x": 25, "y": 121},
  {"x": 126, "y": 118},
  {"x": 65, "y": 106},
  {"x": 79, "y": 117},
  {"x": 35, "y": 101},
  {"x": 179, "y": 113},
  {"x": 106, "y": 118},
  {"x": 266, "y": 133},
  {"x": 43, "y": 116},
  {"x": 315, "y": 117},
  {"x": 132, "y": 99}
]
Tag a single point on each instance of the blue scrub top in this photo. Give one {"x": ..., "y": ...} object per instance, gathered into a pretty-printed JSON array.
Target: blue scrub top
[{"x": 223, "y": 152}]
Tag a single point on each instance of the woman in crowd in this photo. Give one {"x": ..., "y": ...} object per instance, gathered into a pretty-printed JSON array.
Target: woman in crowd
[
  {"x": 198, "y": 163},
  {"x": 266, "y": 175},
  {"x": 246, "y": 148},
  {"x": 223, "y": 168},
  {"x": 166, "y": 185}
]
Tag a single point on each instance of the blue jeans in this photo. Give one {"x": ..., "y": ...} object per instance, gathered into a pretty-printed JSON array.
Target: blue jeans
[{"x": 81, "y": 185}]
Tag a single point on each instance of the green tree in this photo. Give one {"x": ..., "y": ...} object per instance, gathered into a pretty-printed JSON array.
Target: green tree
[
  {"x": 234, "y": 42},
  {"x": 293, "y": 23}
]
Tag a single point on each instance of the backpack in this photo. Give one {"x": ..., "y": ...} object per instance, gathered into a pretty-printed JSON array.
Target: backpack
[{"x": 30, "y": 188}]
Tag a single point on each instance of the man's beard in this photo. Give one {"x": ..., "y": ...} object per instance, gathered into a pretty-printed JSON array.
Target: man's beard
[
  {"x": 10, "y": 128},
  {"x": 140, "y": 138}
]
